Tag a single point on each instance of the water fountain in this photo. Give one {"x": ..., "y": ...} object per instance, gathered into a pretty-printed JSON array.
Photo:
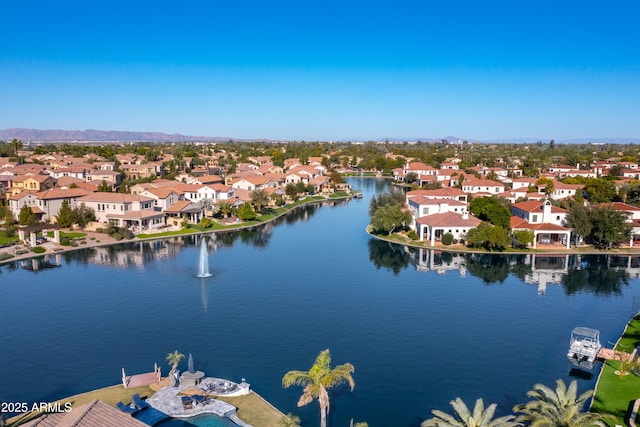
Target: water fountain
[{"x": 203, "y": 264}]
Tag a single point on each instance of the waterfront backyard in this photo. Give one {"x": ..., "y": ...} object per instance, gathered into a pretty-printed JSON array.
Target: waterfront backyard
[{"x": 420, "y": 327}]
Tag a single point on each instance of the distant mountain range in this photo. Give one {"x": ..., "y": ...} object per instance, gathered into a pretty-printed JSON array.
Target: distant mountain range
[{"x": 94, "y": 135}]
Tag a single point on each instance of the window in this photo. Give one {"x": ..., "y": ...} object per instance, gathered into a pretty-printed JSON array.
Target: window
[
  {"x": 425, "y": 211},
  {"x": 534, "y": 218},
  {"x": 558, "y": 218}
]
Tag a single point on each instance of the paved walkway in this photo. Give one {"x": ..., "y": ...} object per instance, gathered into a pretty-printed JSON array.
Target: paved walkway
[{"x": 169, "y": 402}]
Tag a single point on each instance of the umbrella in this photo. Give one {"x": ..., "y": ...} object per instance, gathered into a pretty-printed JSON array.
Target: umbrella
[{"x": 190, "y": 364}]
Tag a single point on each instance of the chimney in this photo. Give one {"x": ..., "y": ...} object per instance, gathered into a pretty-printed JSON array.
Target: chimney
[
  {"x": 546, "y": 210},
  {"x": 465, "y": 215}
]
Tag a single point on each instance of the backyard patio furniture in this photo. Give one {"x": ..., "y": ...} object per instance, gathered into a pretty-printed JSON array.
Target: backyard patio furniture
[
  {"x": 187, "y": 402},
  {"x": 125, "y": 408},
  {"x": 139, "y": 403}
]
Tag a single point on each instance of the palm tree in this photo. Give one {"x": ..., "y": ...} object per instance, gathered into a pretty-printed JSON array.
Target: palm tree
[
  {"x": 559, "y": 408},
  {"x": 480, "y": 417},
  {"x": 173, "y": 359},
  {"x": 317, "y": 380},
  {"x": 225, "y": 208},
  {"x": 260, "y": 198},
  {"x": 16, "y": 145}
]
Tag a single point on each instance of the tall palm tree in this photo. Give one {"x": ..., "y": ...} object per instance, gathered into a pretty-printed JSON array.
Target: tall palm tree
[
  {"x": 481, "y": 416},
  {"x": 559, "y": 408},
  {"x": 317, "y": 380},
  {"x": 260, "y": 198},
  {"x": 225, "y": 208},
  {"x": 173, "y": 359}
]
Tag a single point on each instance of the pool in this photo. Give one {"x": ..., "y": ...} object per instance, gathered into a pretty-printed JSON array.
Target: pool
[{"x": 204, "y": 420}]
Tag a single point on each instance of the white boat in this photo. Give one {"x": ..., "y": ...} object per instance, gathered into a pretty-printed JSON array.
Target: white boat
[{"x": 585, "y": 344}]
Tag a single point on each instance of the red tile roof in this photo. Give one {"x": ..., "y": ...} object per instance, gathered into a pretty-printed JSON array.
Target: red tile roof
[
  {"x": 536, "y": 206},
  {"x": 448, "y": 219}
]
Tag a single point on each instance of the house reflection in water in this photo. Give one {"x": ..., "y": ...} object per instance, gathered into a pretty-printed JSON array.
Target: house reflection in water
[
  {"x": 598, "y": 273},
  {"x": 546, "y": 269},
  {"x": 439, "y": 261}
]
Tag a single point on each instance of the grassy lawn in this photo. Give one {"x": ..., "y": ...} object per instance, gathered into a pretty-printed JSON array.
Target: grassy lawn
[
  {"x": 338, "y": 194},
  {"x": 6, "y": 240},
  {"x": 110, "y": 395},
  {"x": 266, "y": 216},
  {"x": 253, "y": 409},
  {"x": 614, "y": 392}
]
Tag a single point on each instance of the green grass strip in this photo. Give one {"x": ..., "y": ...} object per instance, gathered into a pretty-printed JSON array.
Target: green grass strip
[{"x": 615, "y": 392}]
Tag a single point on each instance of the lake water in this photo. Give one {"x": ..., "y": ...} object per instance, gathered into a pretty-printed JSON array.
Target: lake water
[{"x": 420, "y": 327}]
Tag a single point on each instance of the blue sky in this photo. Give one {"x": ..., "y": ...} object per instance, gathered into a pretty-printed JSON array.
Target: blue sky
[{"x": 330, "y": 70}]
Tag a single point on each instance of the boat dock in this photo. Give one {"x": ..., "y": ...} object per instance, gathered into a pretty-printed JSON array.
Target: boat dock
[{"x": 611, "y": 354}]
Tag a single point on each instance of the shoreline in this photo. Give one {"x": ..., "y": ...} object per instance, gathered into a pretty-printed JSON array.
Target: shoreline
[
  {"x": 87, "y": 396},
  {"x": 95, "y": 239},
  {"x": 575, "y": 251}
]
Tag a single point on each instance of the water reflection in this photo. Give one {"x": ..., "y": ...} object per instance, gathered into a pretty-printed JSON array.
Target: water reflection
[
  {"x": 598, "y": 274},
  {"x": 41, "y": 263},
  {"x": 388, "y": 255}
]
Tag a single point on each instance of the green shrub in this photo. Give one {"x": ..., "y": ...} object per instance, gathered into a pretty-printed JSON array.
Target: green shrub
[
  {"x": 100, "y": 230},
  {"x": 5, "y": 256},
  {"x": 22, "y": 252},
  {"x": 412, "y": 235},
  {"x": 117, "y": 236},
  {"x": 447, "y": 239},
  {"x": 64, "y": 241},
  {"x": 73, "y": 243},
  {"x": 38, "y": 250}
]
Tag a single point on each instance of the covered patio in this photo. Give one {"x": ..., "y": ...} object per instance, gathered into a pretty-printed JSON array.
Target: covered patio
[{"x": 138, "y": 220}]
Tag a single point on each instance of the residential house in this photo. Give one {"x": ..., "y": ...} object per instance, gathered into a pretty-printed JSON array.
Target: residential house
[
  {"x": 518, "y": 183},
  {"x": 163, "y": 197},
  {"x": 564, "y": 191},
  {"x": 24, "y": 198},
  {"x": 422, "y": 206},
  {"x": 633, "y": 217},
  {"x": 433, "y": 227},
  {"x": 50, "y": 201},
  {"x": 124, "y": 210},
  {"x": 184, "y": 209},
  {"x": 114, "y": 179},
  {"x": 547, "y": 222},
  {"x": 449, "y": 165},
  {"x": 253, "y": 183},
  {"x": 32, "y": 183},
  {"x": 135, "y": 171},
  {"x": 449, "y": 193},
  {"x": 482, "y": 186}
]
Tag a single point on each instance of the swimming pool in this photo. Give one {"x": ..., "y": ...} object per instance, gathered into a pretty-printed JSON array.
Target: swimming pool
[{"x": 204, "y": 420}]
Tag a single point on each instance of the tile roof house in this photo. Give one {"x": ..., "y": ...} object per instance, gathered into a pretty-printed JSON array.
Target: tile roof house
[
  {"x": 93, "y": 414},
  {"x": 476, "y": 186},
  {"x": 547, "y": 222},
  {"x": 124, "y": 210},
  {"x": 633, "y": 217},
  {"x": 433, "y": 227}
]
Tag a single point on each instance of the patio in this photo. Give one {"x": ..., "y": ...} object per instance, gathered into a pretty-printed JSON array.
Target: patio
[{"x": 169, "y": 399}]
